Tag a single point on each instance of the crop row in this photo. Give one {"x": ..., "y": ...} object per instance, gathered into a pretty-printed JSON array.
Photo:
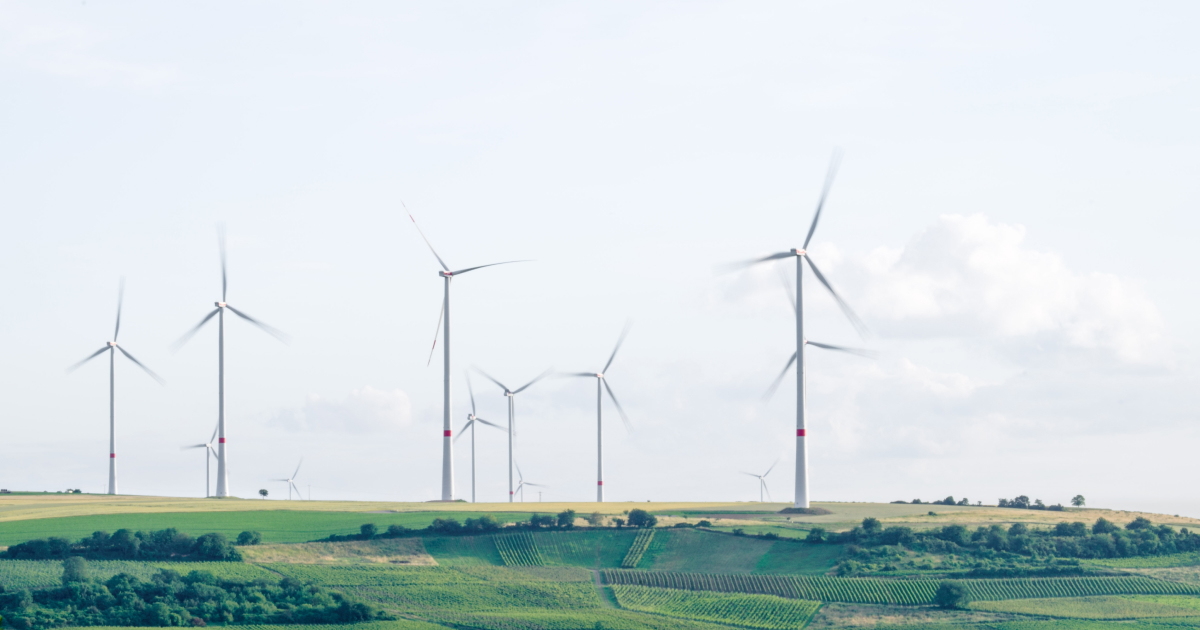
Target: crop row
[
  {"x": 639, "y": 546},
  {"x": 754, "y": 611},
  {"x": 900, "y": 592},
  {"x": 519, "y": 550},
  {"x": 484, "y": 596},
  {"x": 532, "y": 619}
]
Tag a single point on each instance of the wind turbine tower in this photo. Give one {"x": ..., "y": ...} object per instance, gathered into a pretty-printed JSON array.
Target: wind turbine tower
[
  {"x": 601, "y": 387},
  {"x": 512, "y": 422}
]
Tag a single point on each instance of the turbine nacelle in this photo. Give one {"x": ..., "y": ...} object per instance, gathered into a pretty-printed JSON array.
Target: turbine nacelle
[
  {"x": 220, "y": 304},
  {"x": 112, "y": 344},
  {"x": 798, "y": 252}
]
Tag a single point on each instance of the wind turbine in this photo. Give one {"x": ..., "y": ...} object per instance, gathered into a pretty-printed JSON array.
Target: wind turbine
[
  {"x": 447, "y": 442},
  {"x": 512, "y": 427},
  {"x": 112, "y": 348},
  {"x": 602, "y": 382},
  {"x": 801, "y": 255},
  {"x": 219, "y": 313},
  {"x": 209, "y": 452},
  {"x": 762, "y": 481},
  {"x": 471, "y": 420},
  {"x": 523, "y": 483},
  {"x": 291, "y": 481}
]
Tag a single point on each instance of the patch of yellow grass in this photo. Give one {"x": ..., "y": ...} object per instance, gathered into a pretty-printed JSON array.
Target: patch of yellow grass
[{"x": 402, "y": 551}]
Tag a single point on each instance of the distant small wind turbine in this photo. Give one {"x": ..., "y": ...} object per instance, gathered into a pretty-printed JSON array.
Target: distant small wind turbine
[
  {"x": 471, "y": 420},
  {"x": 601, "y": 381},
  {"x": 801, "y": 255},
  {"x": 512, "y": 418},
  {"x": 447, "y": 442},
  {"x": 762, "y": 481},
  {"x": 291, "y": 481},
  {"x": 208, "y": 455},
  {"x": 523, "y": 483},
  {"x": 219, "y": 312},
  {"x": 111, "y": 347}
]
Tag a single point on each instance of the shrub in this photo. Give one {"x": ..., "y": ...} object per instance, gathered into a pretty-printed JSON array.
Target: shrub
[
  {"x": 816, "y": 535},
  {"x": 566, "y": 519},
  {"x": 704, "y": 524},
  {"x": 75, "y": 569},
  {"x": 642, "y": 518},
  {"x": 871, "y": 525},
  {"x": 951, "y": 594},
  {"x": 245, "y": 539},
  {"x": 367, "y": 531}
]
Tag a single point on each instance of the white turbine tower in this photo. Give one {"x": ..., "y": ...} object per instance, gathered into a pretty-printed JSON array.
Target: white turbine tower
[
  {"x": 762, "y": 481},
  {"x": 801, "y": 255},
  {"x": 111, "y": 348},
  {"x": 601, "y": 386},
  {"x": 209, "y": 451},
  {"x": 523, "y": 483},
  {"x": 291, "y": 482},
  {"x": 447, "y": 440},
  {"x": 471, "y": 420},
  {"x": 219, "y": 312},
  {"x": 512, "y": 418}
]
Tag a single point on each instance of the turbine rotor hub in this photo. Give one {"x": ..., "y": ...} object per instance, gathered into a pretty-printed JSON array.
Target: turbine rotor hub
[
  {"x": 112, "y": 344},
  {"x": 798, "y": 252},
  {"x": 220, "y": 304}
]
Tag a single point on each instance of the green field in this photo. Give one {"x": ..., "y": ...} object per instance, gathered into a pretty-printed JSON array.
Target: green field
[
  {"x": 16, "y": 574},
  {"x": 753, "y": 611},
  {"x": 1149, "y": 562},
  {"x": 1099, "y": 608},
  {"x": 284, "y": 526}
]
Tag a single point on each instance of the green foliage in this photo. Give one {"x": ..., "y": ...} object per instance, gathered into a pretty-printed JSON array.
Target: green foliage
[
  {"x": 170, "y": 600},
  {"x": 75, "y": 569},
  {"x": 816, "y": 535},
  {"x": 951, "y": 594},
  {"x": 1098, "y": 608},
  {"x": 753, "y": 611},
  {"x": 249, "y": 538},
  {"x": 641, "y": 518},
  {"x": 164, "y": 544},
  {"x": 871, "y": 526},
  {"x": 1078, "y": 500},
  {"x": 899, "y": 592},
  {"x": 566, "y": 519},
  {"x": 639, "y": 546},
  {"x": 519, "y": 550}
]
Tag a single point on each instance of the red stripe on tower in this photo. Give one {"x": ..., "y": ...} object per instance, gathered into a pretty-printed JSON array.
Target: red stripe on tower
[
  {"x": 599, "y": 483},
  {"x": 446, "y": 433},
  {"x": 222, "y": 440},
  {"x": 799, "y": 432},
  {"x": 112, "y": 455}
]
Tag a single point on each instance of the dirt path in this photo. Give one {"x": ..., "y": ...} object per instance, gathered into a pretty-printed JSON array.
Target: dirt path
[{"x": 604, "y": 596}]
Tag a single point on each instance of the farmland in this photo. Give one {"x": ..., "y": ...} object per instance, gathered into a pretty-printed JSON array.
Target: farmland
[{"x": 668, "y": 578}]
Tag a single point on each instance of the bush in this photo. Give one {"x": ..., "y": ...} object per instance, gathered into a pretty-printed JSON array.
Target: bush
[
  {"x": 396, "y": 531},
  {"x": 642, "y": 518},
  {"x": 367, "y": 531},
  {"x": 566, "y": 519},
  {"x": 245, "y": 539},
  {"x": 816, "y": 535},
  {"x": 951, "y": 594},
  {"x": 704, "y": 524},
  {"x": 75, "y": 569},
  {"x": 871, "y": 525}
]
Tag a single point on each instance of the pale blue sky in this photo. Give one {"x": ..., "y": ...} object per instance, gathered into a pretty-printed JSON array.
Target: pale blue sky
[{"x": 1014, "y": 219}]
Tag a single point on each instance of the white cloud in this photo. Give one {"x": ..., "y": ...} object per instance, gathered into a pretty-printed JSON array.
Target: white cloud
[
  {"x": 965, "y": 276},
  {"x": 365, "y": 410}
]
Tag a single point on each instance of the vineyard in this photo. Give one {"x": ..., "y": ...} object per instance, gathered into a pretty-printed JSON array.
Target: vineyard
[
  {"x": 897, "y": 592},
  {"x": 639, "y": 546},
  {"x": 753, "y": 611},
  {"x": 519, "y": 550},
  {"x": 534, "y": 619},
  {"x": 1099, "y": 608}
]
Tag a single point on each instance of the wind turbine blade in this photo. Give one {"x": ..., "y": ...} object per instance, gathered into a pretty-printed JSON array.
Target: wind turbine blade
[
  {"x": 277, "y": 480},
  {"x": 184, "y": 448},
  {"x": 139, "y": 364},
  {"x": 90, "y": 357},
  {"x": 870, "y": 354},
  {"x": 858, "y": 324},
  {"x": 771, "y": 468},
  {"x": 779, "y": 379},
  {"x": 221, "y": 244},
  {"x": 436, "y": 332},
  {"x": 462, "y": 431},
  {"x": 787, "y": 286},
  {"x": 120, "y": 301},
  {"x": 214, "y": 435},
  {"x": 298, "y": 468},
  {"x": 274, "y": 332},
  {"x": 301, "y": 497},
  {"x": 462, "y": 271},
  {"x": 620, "y": 340},
  {"x": 621, "y": 410},
  {"x": 751, "y": 474},
  {"x": 537, "y": 485},
  {"x": 489, "y": 377},
  {"x": 435, "y": 254},
  {"x": 768, "y": 489},
  {"x": 490, "y": 424},
  {"x": 539, "y": 377},
  {"x": 829, "y": 175},
  {"x": 188, "y": 335},
  {"x": 565, "y": 374},
  {"x": 470, "y": 390},
  {"x": 735, "y": 266},
  {"x": 520, "y": 477}
]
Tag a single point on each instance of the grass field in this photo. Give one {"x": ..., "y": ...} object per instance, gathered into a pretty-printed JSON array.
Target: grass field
[
  {"x": 1100, "y": 608},
  {"x": 1150, "y": 562},
  {"x": 407, "y": 551}
]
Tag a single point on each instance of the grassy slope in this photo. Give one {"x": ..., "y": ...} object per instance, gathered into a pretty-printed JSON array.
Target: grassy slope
[
  {"x": 1100, "y": 608},
  {"x": 401, "y": 551}
]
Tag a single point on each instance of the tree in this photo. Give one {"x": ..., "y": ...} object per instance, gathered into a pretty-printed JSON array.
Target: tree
[
  {"x": 619, "y": 522},
  {"x": 642, "y": 518},
  {"x": 816, "y": 535},
  {"x": 367, "y": 531},
  {"x": 263, "y": 493},
  {"x": 75, "y": 569},
  {"x": 595, "y": 519},
  {"x": 871, "y": 525},
  {"x": 566, "y": 519},
  {"x": 1104, "y": 526},
  {"x": 1078, "y": 500},
  {"x": 249, "y": 538},
  {"x": 951, "y": 594}
]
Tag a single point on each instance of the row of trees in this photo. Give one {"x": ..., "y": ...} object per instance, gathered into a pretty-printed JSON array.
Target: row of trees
[
  {"x": 488, "y": 524},
  {"x": 165, "y": 544},
  {"x": 1103, "y": 539},
  {"x": 169, "y": 599}
]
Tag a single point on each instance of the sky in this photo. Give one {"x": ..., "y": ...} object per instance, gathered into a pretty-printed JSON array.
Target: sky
[{"x": 1013, "y": 219}]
